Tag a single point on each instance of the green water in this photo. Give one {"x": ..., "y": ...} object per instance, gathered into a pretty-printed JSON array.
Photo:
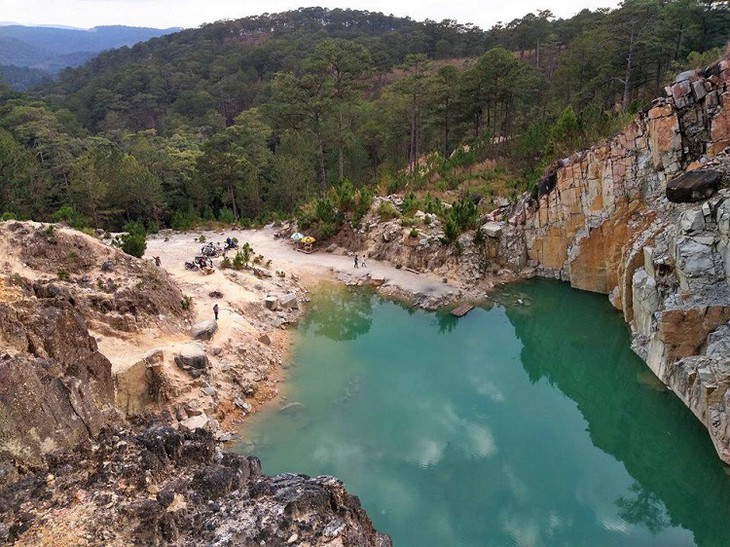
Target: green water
[{"x": 528, "y": 424}]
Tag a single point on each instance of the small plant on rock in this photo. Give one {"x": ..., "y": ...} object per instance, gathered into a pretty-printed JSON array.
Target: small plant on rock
[
  {"x": 187, "y": 302},
  {"x": 63, "y": 275}
]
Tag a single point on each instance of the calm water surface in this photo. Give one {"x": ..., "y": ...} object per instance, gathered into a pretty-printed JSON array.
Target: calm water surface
[{"x": 528, "y": 424}]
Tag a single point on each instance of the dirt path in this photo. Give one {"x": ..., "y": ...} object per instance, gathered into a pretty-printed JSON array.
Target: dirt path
[{"x": 310, "y": 268}]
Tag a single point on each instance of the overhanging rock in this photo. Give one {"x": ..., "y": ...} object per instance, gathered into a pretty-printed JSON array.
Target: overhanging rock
[{"x": 693, "y": 186}]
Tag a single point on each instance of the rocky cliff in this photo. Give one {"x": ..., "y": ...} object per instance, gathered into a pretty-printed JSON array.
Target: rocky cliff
[
  {"x": 644, "y": 217},
  {"x": 165, "y": 487},
  {"x": 73, "y": 471}
]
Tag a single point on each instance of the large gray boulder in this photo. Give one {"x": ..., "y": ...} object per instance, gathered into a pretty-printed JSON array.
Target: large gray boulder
[
  {"x": 192, "y": 358},
  {"x": 204, "y": 330}
]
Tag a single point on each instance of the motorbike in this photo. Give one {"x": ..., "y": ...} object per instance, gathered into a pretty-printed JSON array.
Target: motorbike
[
  {"x": 191, "y": 266},
  {"x": 230, "y": 244},
  {"x": 203, "y": 262},
  {"x": 210, "y": 250}
]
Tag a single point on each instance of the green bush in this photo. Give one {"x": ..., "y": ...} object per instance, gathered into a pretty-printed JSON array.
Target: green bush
[
  {"x": 70, "y": 216},
  {"x": 182, "y": 220},
  {"x": 153, "y": 227},
  {"x": 345, "y": 196},
  {"x": 7, "y": 216},
  {"x": 225, "y": 215},
  {"x": 63, "y": 275},
  {"x": 363, "y": 201},
  {"x": 187, "y": 302},
  {"x": 464, "y": 214},
  {"x": 410, "y": 204},
  {"x": 239, "y": 261},
  {"x": 386, "y": 210},
  {"x": 135, "y": 227},
  {"x": 134, "y": 244},
  {"x": 451, "y": 230},
  {"x": 325, "y": 210}
]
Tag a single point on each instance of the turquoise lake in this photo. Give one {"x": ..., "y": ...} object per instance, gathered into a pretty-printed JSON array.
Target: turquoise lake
[{"x": 518, "y": 424}]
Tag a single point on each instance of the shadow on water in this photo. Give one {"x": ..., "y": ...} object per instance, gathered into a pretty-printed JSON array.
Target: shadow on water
[{"x": 665, "y": 450}]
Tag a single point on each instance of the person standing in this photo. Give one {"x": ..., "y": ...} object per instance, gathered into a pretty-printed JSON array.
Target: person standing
[
  {"x": 356, "y": 261},
  {"x": 215, "y": 311},
  {"x": 362, "y": 262}
]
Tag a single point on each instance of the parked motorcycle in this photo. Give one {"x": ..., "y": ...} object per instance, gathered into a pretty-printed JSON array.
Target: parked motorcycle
[
  {"x": 211, "y": 250},
  {"x": 203, "y": 262},
  {"x": 191, "y": 266}
]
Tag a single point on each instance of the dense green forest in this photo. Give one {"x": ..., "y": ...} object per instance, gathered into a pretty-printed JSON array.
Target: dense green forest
[{"x": 244, "y": 120}]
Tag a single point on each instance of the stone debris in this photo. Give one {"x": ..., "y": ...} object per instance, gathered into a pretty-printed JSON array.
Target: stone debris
[{"x": 271, "y": 302}]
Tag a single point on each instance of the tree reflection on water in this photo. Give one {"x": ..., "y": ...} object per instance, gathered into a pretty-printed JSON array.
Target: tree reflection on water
[{"x": 340, "y": 314}]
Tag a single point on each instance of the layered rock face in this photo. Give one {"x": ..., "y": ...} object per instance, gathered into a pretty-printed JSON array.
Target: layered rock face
[
  {"x": 56, "y": 389},
  {"x": 643, "y": 218}
]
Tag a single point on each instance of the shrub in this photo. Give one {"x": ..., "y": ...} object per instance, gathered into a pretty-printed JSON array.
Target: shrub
[
  {"x": 345, "y": 196},
  {"x": 187, "y": 302},
  {"x": 410, "y": 204},
  {"x": 324, "y": 210},
  {"x": 201, "y": 238},
  {"x": 386, "y": 210},
  {"x": 225, "y": 215},
  {"x": 153, "y": 227},
  {"x": 182, "y": 220},
  {"x": 363, "y": 201},
  {"x": 70, "y": 216},
  {"x": 451, "y": 230},
  {"x": 239, "y": 261},
  {"x": 134, "y": 244},
  {"x": 327, "y": 230},
  {"x": 413, "y": 234},
  {"x": 63, "y": 275},
  {"x": 432, "y": 205},
  {"x": 464, "y": 214},
  {"x": 7, "y": 216},
  {"x": 135, "y": 227},
  {"x": 226, "y": 263}
]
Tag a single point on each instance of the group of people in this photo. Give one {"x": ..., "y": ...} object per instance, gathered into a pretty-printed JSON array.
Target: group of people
[{"x": 360, "y": 262}]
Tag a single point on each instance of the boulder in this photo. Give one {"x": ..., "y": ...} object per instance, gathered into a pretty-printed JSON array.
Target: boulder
[
  {"x": 271, "y": 303},
  {"x": 693, "y": 186},
  {"x": 492, "y": 229},
  {"x": 261, "y": 272},
  {"x": 192, "y": 358},
  {"x": 691, "y": 221},
  {"x": 265, "y": 339},
  {"x": 204, "y": 330},
  {"x": 194, "y": 422},
  {"x": 289, "y": 302}
]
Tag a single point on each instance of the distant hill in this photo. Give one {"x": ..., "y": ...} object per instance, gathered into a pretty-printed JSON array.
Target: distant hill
[
  {"x": 51, "y": 49},
  {"x": 22, "y": 78}
]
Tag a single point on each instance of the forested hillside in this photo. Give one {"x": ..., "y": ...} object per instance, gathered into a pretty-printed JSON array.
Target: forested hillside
[{"x": 239, "y": 120}]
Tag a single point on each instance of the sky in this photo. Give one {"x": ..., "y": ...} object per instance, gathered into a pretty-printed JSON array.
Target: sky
[{"x": 193, "y": 13}]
